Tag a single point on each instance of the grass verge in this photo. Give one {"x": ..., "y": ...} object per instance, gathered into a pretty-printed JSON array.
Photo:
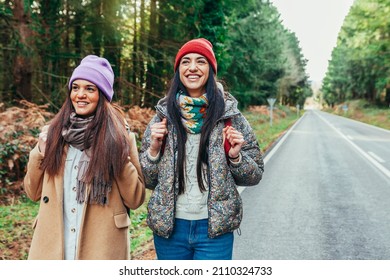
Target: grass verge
[{"x": 362, "y": 111}]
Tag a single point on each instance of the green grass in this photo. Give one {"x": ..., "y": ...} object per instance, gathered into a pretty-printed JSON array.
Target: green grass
[
  {"x": 267, "y": 134},
  {"x": 362, "y": 111},
  {"x": 16, "y": 228},
  {"x": 140, "y": 233}
]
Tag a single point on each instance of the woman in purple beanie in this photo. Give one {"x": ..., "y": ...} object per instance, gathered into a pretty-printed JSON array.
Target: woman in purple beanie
[
  {"x": 195, "y": 151},
  {"x": 85, "y": 172}
]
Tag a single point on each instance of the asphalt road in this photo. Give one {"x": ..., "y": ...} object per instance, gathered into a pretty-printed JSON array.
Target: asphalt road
[{"x": 325, "y": 195}]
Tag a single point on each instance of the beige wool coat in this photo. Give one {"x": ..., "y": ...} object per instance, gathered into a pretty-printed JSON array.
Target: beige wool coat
[{"x": 104, "y": 230}]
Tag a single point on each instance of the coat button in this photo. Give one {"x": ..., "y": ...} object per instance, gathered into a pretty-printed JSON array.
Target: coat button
[{"x": 45, "y": 199}]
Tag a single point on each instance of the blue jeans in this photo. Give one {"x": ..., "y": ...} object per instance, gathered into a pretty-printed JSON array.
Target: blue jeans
[{"x": 189, "y": 241}]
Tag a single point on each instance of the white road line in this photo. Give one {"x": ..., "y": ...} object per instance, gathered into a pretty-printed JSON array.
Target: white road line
[
  {"x": 377, "y": 158},
  {"x": 274, "y": 149},
  {"x": 363, "y": 153}
]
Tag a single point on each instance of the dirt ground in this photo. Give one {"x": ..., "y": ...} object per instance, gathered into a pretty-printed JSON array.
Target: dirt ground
[{"x": 147, "y": 253}]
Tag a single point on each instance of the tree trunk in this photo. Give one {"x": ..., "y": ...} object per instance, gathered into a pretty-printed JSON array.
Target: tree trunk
[
  {"x": 97, "y": 27},
  {"x": 154, "y": 85},
  {"x": 111, "y": 39},
  {"x": 22, "y": 70},
  {"x": 50, "y": 49},
  {"x": 387, "y": 97},
  {"x": 135, "y": 96},
  {"x": 143, "y": 50},
  {"x": 6, "y": 80}
]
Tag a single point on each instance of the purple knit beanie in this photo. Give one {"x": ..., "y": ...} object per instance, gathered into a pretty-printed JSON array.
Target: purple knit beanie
[{"x": 97, "y": 70}]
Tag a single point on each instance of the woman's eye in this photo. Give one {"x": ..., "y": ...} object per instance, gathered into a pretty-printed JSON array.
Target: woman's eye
[
  {"x": 91, "y": 89},
  {"x": 74, "y": 88}
]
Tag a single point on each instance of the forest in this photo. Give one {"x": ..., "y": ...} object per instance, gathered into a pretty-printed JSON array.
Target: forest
[
  {"x": 43, "y": 40},
  {"x": 258, "y": 57},
  {"x": 360, "y": 64}
]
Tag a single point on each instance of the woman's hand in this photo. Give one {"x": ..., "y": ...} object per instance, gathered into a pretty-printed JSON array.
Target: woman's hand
[
  {"x": 42, "y": 139},
  {"x": 158, "y": 132},
  {"x": 236, "y": 140}
]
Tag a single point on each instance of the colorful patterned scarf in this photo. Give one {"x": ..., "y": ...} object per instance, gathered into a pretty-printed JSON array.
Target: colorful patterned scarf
[{"x": 193, "y": 111}]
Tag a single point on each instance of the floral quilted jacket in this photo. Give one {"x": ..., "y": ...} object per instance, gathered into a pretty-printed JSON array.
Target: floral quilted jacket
[{"x": 224, "y": 202}]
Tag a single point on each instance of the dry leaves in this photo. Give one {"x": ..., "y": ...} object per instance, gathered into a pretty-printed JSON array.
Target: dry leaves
[{"x": 138, "y": 118}]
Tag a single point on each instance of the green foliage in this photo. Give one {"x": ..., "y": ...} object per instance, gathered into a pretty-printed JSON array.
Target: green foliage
[
  {"x": 265, "y": 60},
  {"x": 283, "y": 118},
  {"x": 293, "y": 87},
  {"x": 250, "y": 98},
  {"x": 256, "y": 62},
  {"x": 13, "y": 159},
  {"x": 140, "y": 234},
  {"x": 360, "y": 64},
  {"x": 141, "y": 38}
]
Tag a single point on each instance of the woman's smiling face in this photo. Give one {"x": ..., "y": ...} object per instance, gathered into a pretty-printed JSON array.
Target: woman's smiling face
[
  {"x": 85, "y": 97},
  {"x": 194, "y": 72}
]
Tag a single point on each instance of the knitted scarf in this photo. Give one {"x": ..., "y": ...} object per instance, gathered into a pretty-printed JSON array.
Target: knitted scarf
[
  {"x": 74, "y": 135},
  {"x": 193, "y": 111}
]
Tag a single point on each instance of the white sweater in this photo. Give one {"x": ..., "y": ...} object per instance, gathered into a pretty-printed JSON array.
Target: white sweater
[{"x": 192, "y": 204}]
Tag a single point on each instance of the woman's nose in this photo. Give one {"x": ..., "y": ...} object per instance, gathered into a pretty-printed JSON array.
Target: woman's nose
[
  {"x": 193, "y": 66},
  {"x": 81, "y": 93}
]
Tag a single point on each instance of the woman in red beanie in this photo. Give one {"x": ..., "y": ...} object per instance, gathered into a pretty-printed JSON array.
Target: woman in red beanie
[
  {"x": 195, "y": 151},
  {"x": 85, "y": 172}
]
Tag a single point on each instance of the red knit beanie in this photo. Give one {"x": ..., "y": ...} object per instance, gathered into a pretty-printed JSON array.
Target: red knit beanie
[{"x": 200, "y": 46}]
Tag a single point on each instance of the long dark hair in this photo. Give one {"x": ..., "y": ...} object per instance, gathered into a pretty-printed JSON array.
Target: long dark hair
[
  {"x": 215, "y": 111},
  {"x": 110, "y": 145}
]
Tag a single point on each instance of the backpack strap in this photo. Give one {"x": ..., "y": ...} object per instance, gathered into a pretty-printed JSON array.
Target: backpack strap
[
  {"x": 164, "y": 142},
  {"x": 131, "y": 135},
  {"x": 226, "y": 145}
]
